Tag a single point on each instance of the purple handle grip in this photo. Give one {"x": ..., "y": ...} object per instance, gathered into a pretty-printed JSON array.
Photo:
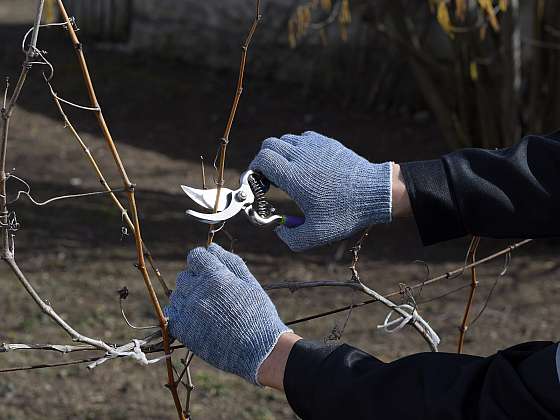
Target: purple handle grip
[{"x": 293, "y": 221}]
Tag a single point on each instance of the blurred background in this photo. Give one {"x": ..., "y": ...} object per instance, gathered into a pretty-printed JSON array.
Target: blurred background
[{"x": 394, "y": 80}]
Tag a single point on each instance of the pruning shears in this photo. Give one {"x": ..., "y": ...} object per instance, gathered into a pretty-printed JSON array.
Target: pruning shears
[{"x": 249, "y": 198}]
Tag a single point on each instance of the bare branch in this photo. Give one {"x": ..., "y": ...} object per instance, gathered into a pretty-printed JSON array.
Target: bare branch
[
  {"x": 129, "y": 186},
  {"x": 445, "y": 276},
  {"x": 233, "y": 112},
  {"x": 294, "y": 286},
  {"x": 60, "y": 348},
  {"x": 48, "y": 310},
  {"x": 474, "y": 284},
  {"x": 103, "y": 180}
]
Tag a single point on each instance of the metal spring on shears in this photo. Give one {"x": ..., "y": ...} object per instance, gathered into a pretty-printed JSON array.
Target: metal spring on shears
[{"x": 260, "y": 186}]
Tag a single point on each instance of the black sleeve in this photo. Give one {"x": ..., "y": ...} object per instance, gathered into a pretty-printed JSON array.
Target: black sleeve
[
  {"x": 507, "y": 193},
  {"x": 341, "y": 382}
]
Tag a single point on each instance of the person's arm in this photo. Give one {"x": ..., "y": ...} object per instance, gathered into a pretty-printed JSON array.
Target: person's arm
[
  {"x": 507, "y": 193},
  {"x": 401, "y": 206},
  {"x": 334, "y": 382},
  {"x": 339, "y": 381},
  {"x": 272, "y": 370}
]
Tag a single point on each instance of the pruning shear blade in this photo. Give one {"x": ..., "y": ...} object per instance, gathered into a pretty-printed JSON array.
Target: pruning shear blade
[
  {"x": 229, "y": 211},
  {"x": 249, "y": 197},
  {"x": 207, "y": 198}
]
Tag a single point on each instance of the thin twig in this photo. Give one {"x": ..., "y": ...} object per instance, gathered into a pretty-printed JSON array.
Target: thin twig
[
  {"x": 134, "y": 327},
  {"x": 5, "y": 117},
  {"x": 27, "y": 193},
  {"x": 445, "y": 276},
  {"x": 189, "y": 384},
  {"x": 48, "y": 310},
  {"x": 448, "y": 275},
  {"x": 7, "y": 248},
  {"x": 59, "y": 348},
  {"x": 487, "y": 301},
  {"x": 48, "y": 365},
  {"x": 103, "y": 180},
  {"x": 294, "y": 286},
  {"x": 203, "y": 172},
  {"x": 130, "y": 187},
  {"x": 238, "y": 91},
  {"x": 474, "y": 284},
  {"x": 356, "y": 284}
]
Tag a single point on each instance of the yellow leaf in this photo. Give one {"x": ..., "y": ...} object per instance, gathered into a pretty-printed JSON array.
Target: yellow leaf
[
  {"x": 306, "y": 18},
  {"x": 503, "y": 5},
  {"x": 326, "y": 5},
  {"x": 345, "y": 17},
  {"x": 460, "y": 9},
  {"x": 300, "y": 14},
  {"x": 473, "y": 70},
  {"x": 444, "y": 19},
  {"x": 486, "y": 5}
]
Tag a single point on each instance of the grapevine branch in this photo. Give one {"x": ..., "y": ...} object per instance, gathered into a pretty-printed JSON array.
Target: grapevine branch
[
  {"x": 471, "y": 255},
  {"x": 130, "y": 188},
  {"x": 103, "y": 180},
  {"x": 60, "y": 348},
  {"x": 293, "y": 286},
  {"x": 356, "y": 284},
  {"x": 130, "y": 216},
  {"x": 148, "y": 349},
  {"x": 7, "y": 228},
  {"x": 221, "y": 157},
  {"x": 448, "y": 275}
]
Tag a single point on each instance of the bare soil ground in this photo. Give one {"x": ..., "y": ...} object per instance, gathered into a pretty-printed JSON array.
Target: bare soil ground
[{"x": 164, "y": 116}]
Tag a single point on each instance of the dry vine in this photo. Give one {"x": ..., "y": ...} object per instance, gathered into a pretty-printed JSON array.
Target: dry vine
[
  {"x": 221, "y": 157},
  {"x": 8, "y": 226},
  {"x": 471, "y": 255},
  {"x": 294, "y": 286},
  {"x": 136, "y": 349},
  {"x": 160, "y": 341}
]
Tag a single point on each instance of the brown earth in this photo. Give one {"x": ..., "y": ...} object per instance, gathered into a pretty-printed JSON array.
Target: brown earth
[{"x": 164, "y": 116}]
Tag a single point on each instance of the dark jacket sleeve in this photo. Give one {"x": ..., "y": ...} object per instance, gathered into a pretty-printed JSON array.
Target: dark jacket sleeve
[
  {"x": 507, "y": 193},
  {"x": 340, "y": 382}
]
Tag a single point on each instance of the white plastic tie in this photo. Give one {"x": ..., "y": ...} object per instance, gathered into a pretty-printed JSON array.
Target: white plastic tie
[
  {"x": 136, "y": 354},
  {"x": 412, "y": 317}
]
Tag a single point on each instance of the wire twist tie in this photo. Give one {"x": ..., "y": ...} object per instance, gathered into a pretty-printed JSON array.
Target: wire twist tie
[{"x": 412, "y": 317}]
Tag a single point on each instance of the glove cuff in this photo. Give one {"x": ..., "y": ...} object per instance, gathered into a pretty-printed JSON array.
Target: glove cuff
[{"x": 372, "y": 185}]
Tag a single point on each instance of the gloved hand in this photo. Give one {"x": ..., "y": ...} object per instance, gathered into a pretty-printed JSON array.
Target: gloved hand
[
  {"x": 222, "y": 314},
  {"x": 338, "y": 191}
]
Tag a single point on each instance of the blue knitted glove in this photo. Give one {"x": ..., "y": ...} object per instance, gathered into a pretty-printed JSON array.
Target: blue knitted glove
[
  {"x": 338, "y": 191},
  {"x": 222, "y": 314}
]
